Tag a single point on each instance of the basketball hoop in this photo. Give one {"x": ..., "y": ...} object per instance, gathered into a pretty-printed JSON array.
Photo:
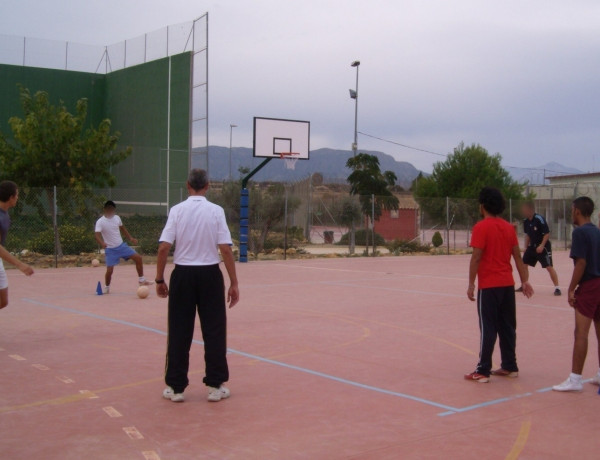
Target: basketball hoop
[{"x": 290, "y": 159}]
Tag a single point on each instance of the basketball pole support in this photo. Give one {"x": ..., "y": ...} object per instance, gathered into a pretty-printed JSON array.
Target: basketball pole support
[{"x": 244, "y": 202}]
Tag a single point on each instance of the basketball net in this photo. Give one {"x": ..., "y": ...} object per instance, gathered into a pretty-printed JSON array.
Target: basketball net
[{"x": 290, "y": 159}]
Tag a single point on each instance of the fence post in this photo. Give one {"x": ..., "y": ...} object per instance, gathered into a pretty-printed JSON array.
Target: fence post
[
  {"x": 565, "y": 221},
  {"x": 55, "y": 226},
  {"x": 373, "y": 220},
  {"x": 285, "y": 219},
  {"x": 448, "y": 225}
]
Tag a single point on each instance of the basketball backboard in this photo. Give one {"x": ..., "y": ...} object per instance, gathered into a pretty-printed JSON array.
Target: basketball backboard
[{"x": 274, "y": 137}]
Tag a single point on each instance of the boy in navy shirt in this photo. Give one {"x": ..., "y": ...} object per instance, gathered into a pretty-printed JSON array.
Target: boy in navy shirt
[
  {"x": 537, "y": 243},
  {"x": 584, "y": 290}
]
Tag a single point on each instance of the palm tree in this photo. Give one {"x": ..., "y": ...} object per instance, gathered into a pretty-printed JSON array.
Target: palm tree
[{"x": 372, "y": 186}]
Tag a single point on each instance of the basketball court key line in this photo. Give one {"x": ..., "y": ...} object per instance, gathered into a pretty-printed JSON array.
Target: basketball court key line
[{"x": 449, "y": 409}]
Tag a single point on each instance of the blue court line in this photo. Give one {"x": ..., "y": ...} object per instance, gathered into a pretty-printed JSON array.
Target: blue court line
[{"x": 449, "y": 410}]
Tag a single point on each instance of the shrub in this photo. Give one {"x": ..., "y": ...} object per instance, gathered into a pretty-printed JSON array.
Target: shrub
[
  {"x": 437, "y": 240},
  {"x": 360, "y": 239},
  {"x": 73, "y": 239},
  {"x": 398, "y": 246}
]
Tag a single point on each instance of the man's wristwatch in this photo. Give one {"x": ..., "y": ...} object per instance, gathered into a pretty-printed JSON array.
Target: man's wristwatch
[{"x": 159, "y": 281}]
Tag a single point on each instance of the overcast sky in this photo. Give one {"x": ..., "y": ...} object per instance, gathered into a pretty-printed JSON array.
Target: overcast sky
[{"x": 519, "y": 77}]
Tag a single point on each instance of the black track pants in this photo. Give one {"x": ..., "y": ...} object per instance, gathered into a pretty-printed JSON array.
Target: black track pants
[
  {"x": 201, "y": 289},
  {"x": 497, "y": 317}
]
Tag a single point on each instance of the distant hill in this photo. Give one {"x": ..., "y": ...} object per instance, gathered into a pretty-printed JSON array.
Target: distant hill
[
  {"x": 329, "y": 162},
  {"x": 536, "y": 175}
]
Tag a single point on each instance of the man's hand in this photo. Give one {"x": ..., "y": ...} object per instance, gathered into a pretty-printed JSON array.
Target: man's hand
[
  {"x": 162, "y": 290},
  {"x": 527, "y": 289},
  {"x": 233, "y": 295},
  {"x": 572, "y": 299},
  {"x": 134, "y": 241},
  {"x": 471, "y": 292},
  {"x": 26, "y": 269},
  {"x": 104, "y": 245},
  {"x": 539, "y": 249}
]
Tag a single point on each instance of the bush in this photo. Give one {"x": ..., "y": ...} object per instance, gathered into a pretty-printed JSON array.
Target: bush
[
  {"x": 397, "y": 246},
  {"x": 437, "y": 240},
  {"x": 361, "y": 240},
  {"x": 73, "y": 239}
]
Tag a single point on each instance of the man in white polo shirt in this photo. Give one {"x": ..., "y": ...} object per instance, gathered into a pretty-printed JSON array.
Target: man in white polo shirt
[{"x": 200, "y": 230}]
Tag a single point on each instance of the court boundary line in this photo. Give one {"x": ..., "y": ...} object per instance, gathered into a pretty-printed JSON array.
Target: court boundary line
[{"x": 449, "y": 410}]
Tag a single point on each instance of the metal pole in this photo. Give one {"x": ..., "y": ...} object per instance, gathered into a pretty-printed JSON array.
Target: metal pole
[
  {"x": 373, "y": 220},
  {"x": 448, "y": 224},
  {"x": 169, "y": 137},
  {"x": 565, "y": 220},
  {"x": 230, "y": 146},
  {"x": 355, "y": 144},
  {"x": 207, "y": 98},
  {"x": 55, "y": 225},
  {"x": 285, "y": 219}
]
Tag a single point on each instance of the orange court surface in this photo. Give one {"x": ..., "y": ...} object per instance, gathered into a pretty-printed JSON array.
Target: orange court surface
[{"x": 330, "y": 359}]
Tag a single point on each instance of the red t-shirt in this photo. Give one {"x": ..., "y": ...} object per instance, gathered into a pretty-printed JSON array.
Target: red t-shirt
[{"x": 496, "y": 238}]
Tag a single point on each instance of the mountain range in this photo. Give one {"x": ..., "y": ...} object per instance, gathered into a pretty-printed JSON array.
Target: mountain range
[
  {"x": 331, "y": 164},
  {"x": 328, "y": 162}
]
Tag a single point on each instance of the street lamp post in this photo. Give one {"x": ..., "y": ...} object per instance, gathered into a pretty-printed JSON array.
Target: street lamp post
[
  {"x": 230, "y": 143},
  {"x": 354, "y": 95}
]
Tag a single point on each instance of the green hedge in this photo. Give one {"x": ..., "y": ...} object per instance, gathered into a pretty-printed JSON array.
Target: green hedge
[
  {"x": 73, "y": 239},
  {"x": 360, "y": 239}
]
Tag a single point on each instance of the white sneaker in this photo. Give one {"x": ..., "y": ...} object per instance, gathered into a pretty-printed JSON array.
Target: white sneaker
[
  {"x": 169, "y": 393},
  {"x": 106, "y": 290},
  {"x": 595, "y": 380},
  {"x": 568, "y": 385},
  {"x": 216, "y": 394}
]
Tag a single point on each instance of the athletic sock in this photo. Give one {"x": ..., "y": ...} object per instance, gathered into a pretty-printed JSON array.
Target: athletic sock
[
  {"x": 577, "y": 378},
  {"x": 142, "y": 279}
]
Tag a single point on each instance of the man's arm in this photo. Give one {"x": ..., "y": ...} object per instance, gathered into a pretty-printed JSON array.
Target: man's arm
[
  {"x": 8, "y": 257},
  {"x": 578, "y": 271},
  {"x": 233, "y": 294},
  {"x": 99, "y": 239},
  {"x": 542, "y": 245},
  {"x": 162, "y": 289},
  {"x": 125, "y": 232},
  {"x": 473, "y": 267},
  {"x": 523, "y": 272}
]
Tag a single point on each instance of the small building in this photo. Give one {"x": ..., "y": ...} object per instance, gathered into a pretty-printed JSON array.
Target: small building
[
  {"x": 403, "y": 223},
  {"x": 554, "y": 200}
]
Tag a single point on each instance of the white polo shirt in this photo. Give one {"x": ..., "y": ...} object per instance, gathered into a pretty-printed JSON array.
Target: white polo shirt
[
  {"x": 197, "y": 226},
  {"x": 111, "y": 230}
]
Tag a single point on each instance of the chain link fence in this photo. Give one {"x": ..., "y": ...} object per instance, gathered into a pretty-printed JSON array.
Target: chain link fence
[{"x": 284, "y": 219}]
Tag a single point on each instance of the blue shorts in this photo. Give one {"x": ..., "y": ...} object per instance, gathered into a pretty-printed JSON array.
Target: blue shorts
[{"x": 114, "y": 255}]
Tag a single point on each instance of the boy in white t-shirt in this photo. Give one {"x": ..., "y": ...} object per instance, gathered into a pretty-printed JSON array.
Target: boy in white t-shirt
[{"x": 108, "y": 235}]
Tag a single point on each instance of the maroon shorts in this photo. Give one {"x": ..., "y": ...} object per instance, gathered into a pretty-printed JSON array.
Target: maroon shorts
[{"x": 587, "y": 299}]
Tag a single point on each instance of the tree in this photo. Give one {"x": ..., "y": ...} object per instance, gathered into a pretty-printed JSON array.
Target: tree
[
  {"x": 462, "y": 175},
  {"x": 268, "y": 210},
  {"x": 366, "y": 180},
  {"x": 52, "y": 147}
]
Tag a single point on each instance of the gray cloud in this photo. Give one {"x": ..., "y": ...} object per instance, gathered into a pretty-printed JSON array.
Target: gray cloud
[{"x": 520, "y": 78}]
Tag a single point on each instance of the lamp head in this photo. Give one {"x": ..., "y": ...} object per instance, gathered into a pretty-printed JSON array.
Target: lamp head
[
  {"x": 353, "y": 94},
  {"x": 355, "y": 64}
]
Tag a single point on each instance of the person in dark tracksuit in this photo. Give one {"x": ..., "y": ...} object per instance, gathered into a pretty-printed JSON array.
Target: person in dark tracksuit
[
  {"x": 494, "y": 242},
  {"x": 199, "y": 229},
  {"x": 538, "y": 247}
]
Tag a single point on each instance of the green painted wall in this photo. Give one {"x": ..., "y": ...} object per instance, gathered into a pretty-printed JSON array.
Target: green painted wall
[
  {"x": 59, "y": 84},
  {"x": 136, "y": 101}
]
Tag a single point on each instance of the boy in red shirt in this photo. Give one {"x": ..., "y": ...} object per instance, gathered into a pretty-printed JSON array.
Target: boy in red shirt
[{"x": 494, "y": 242}]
